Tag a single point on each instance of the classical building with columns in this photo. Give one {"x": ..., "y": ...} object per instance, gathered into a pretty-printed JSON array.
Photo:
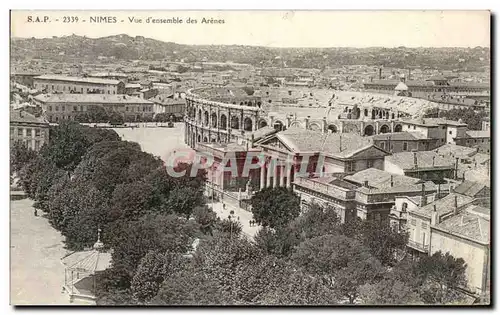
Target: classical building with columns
[{"x": 297, "y": 134}]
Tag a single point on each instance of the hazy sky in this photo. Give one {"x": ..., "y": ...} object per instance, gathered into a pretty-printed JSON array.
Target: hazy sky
[{"x": 278, "y": 28}]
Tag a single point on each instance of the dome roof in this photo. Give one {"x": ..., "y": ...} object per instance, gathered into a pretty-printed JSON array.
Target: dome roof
[{"x": 401, "y": 87}]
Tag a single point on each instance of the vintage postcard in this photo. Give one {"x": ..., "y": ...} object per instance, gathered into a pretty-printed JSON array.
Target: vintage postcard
[{"x": 250, "y": 158}]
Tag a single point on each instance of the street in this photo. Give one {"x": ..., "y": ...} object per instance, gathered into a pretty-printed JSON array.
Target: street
[
  {"x": 243, "y": 216},
  {"x": 37, "y": 274}
]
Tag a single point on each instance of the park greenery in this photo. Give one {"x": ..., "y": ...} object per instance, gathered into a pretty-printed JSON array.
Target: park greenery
[{"x": 87, "y": 178}]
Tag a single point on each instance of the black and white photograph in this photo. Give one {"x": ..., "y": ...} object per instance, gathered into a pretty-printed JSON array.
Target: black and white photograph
[{"x": 250, "y": 158}]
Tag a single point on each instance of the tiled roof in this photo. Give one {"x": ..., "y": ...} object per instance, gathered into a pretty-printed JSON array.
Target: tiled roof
[
  {"x": 481, "y": 158},
  {"x": 472, "y": 223},
  {"x": 470, "y": 188},
  {"x": 444, "y": 205},
  {"x": 163, "y": 99},
  {"x": 455, "y": 150},
  {"x": 262, "y": 132},
  {"x": 478, "y": 133},
  {"x": 77, "y": 79},
  {"x": 21, "y": 116},
  {"x": 397, "y": 136},
  {"x": 91, "y": 98},
  {"x": 336, "y": 144},
  {"x": 424, "y": 159},
  {"x": 441, "y": 121},
  {"x": 380, "y": 181}
]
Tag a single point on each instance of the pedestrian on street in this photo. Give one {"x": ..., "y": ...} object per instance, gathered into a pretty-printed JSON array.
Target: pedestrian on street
[
  {"x": 36, "y": 212},
  {"x": 223, "y": 206},
  {"x": 250, "y": 222}
]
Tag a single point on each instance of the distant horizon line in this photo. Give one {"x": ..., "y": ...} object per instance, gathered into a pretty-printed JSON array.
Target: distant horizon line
[{"x": 250, "y": 45}]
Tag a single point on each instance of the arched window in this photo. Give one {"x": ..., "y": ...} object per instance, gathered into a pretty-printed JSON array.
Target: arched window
[
  {"x": 404, "y": 206},
  {"x": 247, "y": 124}
]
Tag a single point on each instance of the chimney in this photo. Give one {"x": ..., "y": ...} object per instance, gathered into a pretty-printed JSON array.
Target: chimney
[
  {"x": 415, "y": 161},
  {"x": 434, "y": 216},
  {"x": 409, "y": 74},
  {"x": 423, "y": 200},
  {"x": 380, "y": 73},
  {"x": 253, "y": 139},
  {"x": 439, "y": 191},
  {"x": 455, "y": 208},
  {"x": 456, "y": 168},
  {"x": 366, "y": 184},
  {"x": 340, "y": 142},
  {"x": 433, "y": 160},
  {"x": 392, "y": 181}
]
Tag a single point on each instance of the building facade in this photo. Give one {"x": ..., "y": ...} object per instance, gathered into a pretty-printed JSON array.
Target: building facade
[
  {"x": 57, "y": 107},
  {"x": 26, "y": 128},
  {"x": 78, "y": 85}
]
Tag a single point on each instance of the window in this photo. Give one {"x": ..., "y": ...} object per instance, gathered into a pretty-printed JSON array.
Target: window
[
  {"x": 37, "y": 132},
  {"x": 413, "y": 222},
  {"x": 57, "y": 108},
  {"x": 424, "y": 225},
  {"x": 37, "y": 145},
  {"x": 404, "y": 206},
  {"x": 12, "y": 131},
  {"x": 351, "y": 166},
  {"x": 50, "y": 108},
  {"x": 28, "y": 132},
  {"x": 444, "y": 127},
  {"x": 63, "y": 108},
  {"x": 126, "y": 108},
  {"x": 108, "y": 92},
  {"x": 414, "y": 127},
  {"x": 369, "y": 163},
  {"x": 75, "y": 108},
  {"x": 20, "y": 132},
  {"x": 405, "y": 146},
  {"x": 450, "y": 132}
]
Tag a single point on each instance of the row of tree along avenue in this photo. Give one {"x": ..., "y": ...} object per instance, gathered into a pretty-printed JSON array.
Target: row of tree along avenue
[{"x": 87, "y": 178}]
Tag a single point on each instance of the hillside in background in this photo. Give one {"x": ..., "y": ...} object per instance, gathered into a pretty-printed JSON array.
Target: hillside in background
[{"x": 124, "y": 47}]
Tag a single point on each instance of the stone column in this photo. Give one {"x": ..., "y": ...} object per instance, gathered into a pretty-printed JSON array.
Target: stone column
[
  {"x": 282, "y": 176},
  {"x": 269, "y": 173},
  {"x": 262, "y": 176},
  {"x": 288, "y": 175},
  {"x": 275, "y": 173}
]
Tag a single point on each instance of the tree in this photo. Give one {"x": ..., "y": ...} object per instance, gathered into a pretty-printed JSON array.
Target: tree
[
  {"x": 206, "y": 218},
  {"x": 440, "y": 275},
  {"x": 299, "y": 288},
  {"x": 132, "y": 240},
  {"x": 131, "y": 200},
  {"x": 153, "y": 269},
  {"x": 382, "y": 240},
  {"x": 317, "y": 221},
  {"x": 472, "y": 118},
  {"x": 20, "y": 156},
  {"x": 343, "y": 263},
  {"x": 279, "y": 242},
  {"x": 183, "y": 200},
  {"x": 389, "y": 291},
  {"x": 190, "y": 287},
  {"x": 275, "y": 207}
]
